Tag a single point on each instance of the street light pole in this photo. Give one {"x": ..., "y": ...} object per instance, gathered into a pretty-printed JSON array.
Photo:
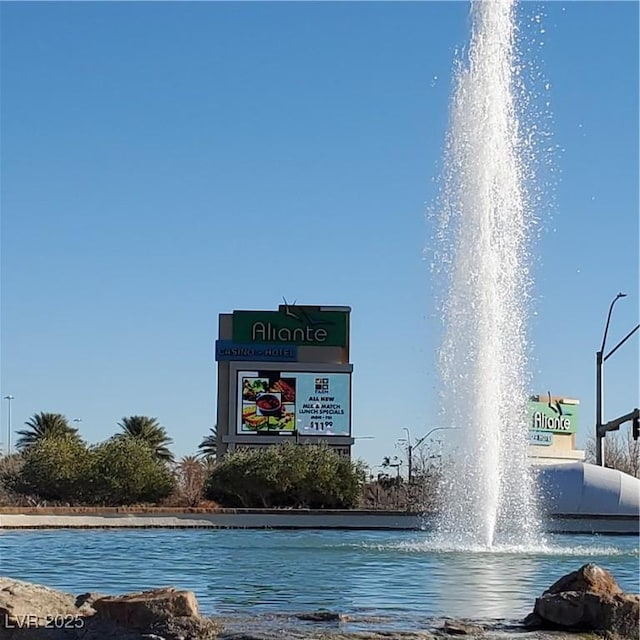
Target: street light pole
[
  {"x": 411, "y": 447},
  {"x": 409, "y": 455},
  {"x": 9, "y": 398},
  {"x": 419, "y": 442},
  {"x": 599, "y": 438},
  {"x": 600, "y": 360}
]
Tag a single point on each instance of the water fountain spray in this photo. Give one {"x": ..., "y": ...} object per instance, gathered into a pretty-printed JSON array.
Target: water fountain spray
[{"x": 483, "y": 242}]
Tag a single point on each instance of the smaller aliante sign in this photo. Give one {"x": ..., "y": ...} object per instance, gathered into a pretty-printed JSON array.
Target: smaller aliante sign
[{"x": 556, "y": 417}]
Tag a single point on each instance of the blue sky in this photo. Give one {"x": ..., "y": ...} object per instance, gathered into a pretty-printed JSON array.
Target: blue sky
[{"x": 166, "y": 162}]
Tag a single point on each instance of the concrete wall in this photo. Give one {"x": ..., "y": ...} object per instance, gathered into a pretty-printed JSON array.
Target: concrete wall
[
  {"x": 237, "y": 520},
  {"x": 256, "y": 519}
]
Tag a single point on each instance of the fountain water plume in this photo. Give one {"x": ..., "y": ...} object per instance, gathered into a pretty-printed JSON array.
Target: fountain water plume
[{"x": 483, "y": 241}]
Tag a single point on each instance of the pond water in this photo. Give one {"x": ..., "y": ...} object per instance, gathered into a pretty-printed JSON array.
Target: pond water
[{"x": 254, "y": 572}]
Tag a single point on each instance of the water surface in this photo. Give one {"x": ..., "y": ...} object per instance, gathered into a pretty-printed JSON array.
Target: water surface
[{"x": 253, "y": 572}]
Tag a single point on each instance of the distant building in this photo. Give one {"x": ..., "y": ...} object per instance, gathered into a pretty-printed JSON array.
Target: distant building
[{"x": 553, "y": 426}]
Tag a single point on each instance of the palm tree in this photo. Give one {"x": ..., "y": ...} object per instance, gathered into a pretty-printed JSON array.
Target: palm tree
[
  {"x": 45, "y": 425},
  {"x": 209, "y": 445},
  {"x": 150, "y": 431}
]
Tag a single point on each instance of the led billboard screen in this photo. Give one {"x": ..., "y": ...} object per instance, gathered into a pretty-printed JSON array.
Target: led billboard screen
[{"x": 282, "y": 401}]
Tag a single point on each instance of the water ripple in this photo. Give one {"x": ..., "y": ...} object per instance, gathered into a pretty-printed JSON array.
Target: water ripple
[{"x": 236, "y": 572}]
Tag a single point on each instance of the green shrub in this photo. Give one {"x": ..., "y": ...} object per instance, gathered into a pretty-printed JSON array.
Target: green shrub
[
  {"x": 286, "y": 475},
  {"x": 125, "y": 470},
  {"x": 55, "y": 468}
]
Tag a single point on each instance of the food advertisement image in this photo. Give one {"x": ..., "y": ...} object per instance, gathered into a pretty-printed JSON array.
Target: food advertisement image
[
  {"x": 268, "y": 403},
  {"x": 316, "y": 404}
]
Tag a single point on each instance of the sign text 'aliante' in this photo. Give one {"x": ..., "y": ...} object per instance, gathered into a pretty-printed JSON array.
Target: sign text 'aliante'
[{"x": 297, "y": 326}]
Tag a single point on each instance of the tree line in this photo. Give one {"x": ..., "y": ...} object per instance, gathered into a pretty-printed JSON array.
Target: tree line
[
  {"x": 135, "y": 466},
  {"x": 143, "y": 428},
  {"x": 55, "y": 466}
]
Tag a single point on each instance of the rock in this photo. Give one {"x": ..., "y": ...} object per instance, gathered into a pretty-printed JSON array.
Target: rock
[
  {"x": 26, "y": 604},
  {"x": 533, "y": 621},
  {"x": 241, "y": 635},
  {"x": 140, "y": 610},
  {"x": 86, "y": 600},
  {"x": 590, "y": 577},
  {"x": 187, "y": 628},
  {"x": 96, "y": 629},
  {"x": 166, "y": 612},
  {"x": 587, "y": 599},
  {"x": 458, "y": 628},
  {"x": 582, "y": 610},
  {"x": 33, "y": 612},
  {"x": 322, "y": 616}
]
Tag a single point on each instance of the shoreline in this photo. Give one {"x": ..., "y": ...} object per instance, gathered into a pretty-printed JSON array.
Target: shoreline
[
  {"x": 166, "y": 518},
  {"x": 30, "y": 610},
  {"x": 219, "y": 519}
]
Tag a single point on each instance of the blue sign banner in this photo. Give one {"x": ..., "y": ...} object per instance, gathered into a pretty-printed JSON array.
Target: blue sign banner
[
  {"x": 540, "y": 438},
  {"x": 228, "y": 350}
]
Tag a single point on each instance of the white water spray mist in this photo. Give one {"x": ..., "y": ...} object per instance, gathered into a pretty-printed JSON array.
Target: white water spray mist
[{"x": 483, "y": 247}]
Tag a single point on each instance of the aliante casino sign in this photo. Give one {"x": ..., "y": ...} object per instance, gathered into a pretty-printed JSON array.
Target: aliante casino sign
[
  {"x": 302, "y": 326},
  {"x": 284, "y": 373}
]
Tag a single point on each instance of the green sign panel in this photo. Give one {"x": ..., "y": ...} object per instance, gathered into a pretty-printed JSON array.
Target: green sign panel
[
  {"x": 292, "y": 325},
  {"x": 553, "y": 416}
]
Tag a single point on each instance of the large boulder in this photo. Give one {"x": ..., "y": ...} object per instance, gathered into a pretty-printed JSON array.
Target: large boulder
[
  {"x": 33, "y": 612},
  {"x": 139, "y": 610},
  {"x": 587, "y": 599},
  {"x": 588, "y": 578},
  {"x": 26, "y": 604},
  {"x": 168, "y": 612}
]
